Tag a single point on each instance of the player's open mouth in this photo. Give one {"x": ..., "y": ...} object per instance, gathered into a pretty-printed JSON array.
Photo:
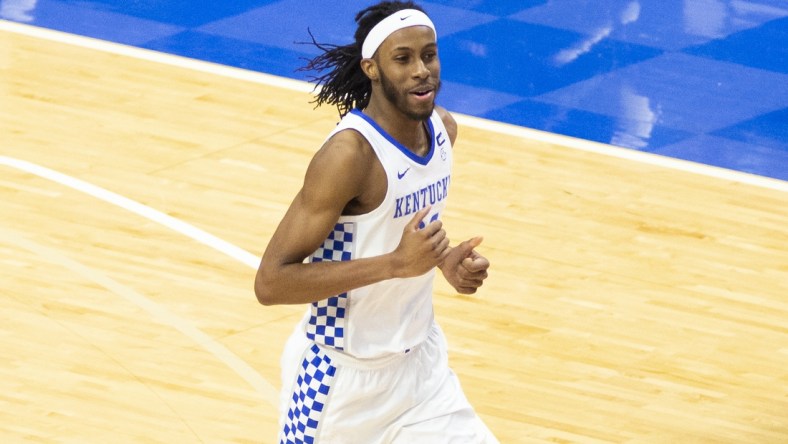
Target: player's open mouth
[{"x": 423, "y": 93}]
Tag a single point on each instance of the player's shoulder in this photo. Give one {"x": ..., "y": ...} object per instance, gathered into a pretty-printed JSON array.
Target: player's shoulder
[
  {"x": 448, "y": 122},
  {"x": 339, "y": 167},
  {"x": 349, "y": 139},
  {"x": 346, "y": 146}
]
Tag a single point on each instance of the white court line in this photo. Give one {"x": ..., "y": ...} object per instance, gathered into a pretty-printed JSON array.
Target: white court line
[
  {"x": 145, "y": 211},
  {"x": 625, "y": 153},
  {"x": 230, "y": 359},
  {"x": 222, "y": 353},
  {"x": 475, "y": 122}
]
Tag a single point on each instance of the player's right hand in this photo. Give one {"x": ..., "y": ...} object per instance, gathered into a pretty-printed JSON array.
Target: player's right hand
[{"x": 420, "y": 250}]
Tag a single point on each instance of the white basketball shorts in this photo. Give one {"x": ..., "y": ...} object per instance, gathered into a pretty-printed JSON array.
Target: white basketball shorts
[{"x": 410, "y": 398}]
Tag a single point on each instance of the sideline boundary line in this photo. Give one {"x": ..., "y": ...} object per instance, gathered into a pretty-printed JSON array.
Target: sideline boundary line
[
  {"x": 145, "y": 211},
  {"x": 462, "y": 119}
]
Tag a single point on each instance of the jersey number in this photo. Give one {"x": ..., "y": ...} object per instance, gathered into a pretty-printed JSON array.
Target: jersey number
[{"x": 423, "y": 225}]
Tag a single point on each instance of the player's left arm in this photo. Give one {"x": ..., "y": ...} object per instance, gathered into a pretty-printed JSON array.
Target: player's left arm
[
  {"x": 448, "y": 122},
  {"x": 464, "y": 268}
]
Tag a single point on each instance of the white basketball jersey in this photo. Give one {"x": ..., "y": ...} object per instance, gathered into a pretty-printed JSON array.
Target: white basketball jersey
[{"x": 394, "y": 315}]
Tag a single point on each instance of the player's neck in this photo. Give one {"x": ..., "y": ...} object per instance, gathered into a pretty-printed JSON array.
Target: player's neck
[{"x": 411, "y": 133}]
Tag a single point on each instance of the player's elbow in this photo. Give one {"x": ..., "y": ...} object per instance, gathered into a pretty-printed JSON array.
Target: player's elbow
[
  {"x": 263, "y": 290},
  {"x": 264, "y": 297}
]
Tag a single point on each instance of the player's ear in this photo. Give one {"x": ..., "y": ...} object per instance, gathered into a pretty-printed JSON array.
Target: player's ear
[{"x": 370, "y": 68}]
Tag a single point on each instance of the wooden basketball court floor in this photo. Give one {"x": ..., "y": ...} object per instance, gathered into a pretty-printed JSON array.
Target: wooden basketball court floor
[{"x": 632, "y": 298}]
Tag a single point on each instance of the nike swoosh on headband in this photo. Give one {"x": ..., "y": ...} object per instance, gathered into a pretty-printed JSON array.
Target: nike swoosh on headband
[{"x": 392, "y": 24}]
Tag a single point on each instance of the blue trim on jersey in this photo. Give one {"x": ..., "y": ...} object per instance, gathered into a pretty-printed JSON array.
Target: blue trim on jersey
[{"x": 418, "y": 159}]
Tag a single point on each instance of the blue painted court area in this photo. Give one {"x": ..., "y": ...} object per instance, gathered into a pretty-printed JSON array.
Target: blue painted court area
[{"x": 701, "y": 80}]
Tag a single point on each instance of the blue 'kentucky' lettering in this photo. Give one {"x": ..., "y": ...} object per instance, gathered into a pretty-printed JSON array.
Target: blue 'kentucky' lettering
[{"x": 429, "y": 195}]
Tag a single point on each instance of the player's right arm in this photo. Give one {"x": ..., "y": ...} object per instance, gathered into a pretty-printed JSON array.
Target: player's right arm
[{"x": 337, "y": 175}]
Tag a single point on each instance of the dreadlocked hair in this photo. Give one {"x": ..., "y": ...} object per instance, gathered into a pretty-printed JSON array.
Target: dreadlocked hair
[{"x": 345, "y": 84}]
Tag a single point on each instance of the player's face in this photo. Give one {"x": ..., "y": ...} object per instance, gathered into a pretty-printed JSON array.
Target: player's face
[{"x": 410, "y": 71}]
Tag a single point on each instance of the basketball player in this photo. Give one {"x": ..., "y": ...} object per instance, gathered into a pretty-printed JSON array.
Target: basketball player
[{"x": 360, "y": 244}]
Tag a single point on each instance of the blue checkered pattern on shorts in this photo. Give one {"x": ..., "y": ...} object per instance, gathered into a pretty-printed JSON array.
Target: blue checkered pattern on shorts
[
  {"x": 309, "y": 398},
  {"x": 327, "y": 319}
]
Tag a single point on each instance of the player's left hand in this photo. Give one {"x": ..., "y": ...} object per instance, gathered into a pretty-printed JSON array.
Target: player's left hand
[{"x": 464, "y": 268}]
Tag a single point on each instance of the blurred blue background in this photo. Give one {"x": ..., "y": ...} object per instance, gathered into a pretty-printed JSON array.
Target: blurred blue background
[{"x": 701, "y": 80}]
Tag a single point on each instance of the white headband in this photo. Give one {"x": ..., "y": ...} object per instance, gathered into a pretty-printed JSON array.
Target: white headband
[{"x": 389, "y": 25}]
